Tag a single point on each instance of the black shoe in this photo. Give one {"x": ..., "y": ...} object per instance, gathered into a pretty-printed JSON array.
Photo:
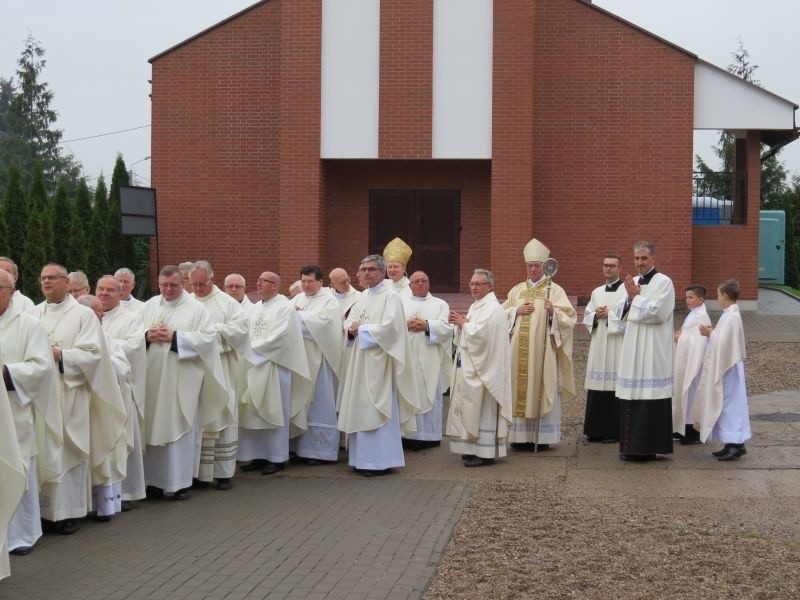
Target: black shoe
[
  {"x": 101, "y": 518},
  {"x": 722, "y": 451},
  {"x": 477, "y": 461},
  {"x": 413, "y": 445},
  {"x": 609, "y": 440},
  {"x": 734, "y": 452},
  {"x": 691, "y": 436},
  {"x": 271, "y": 468},
  {"x": 197, "y": 484},
  {"x": 521, "y": 446},
  {"x": 67, "y": 526},
  {"x": 21, "y": 551},
  {"x": 153, "y": 492},
  {"x": 541, "y": 447},
  {"x": 315, "y": 462},
  {"x": 254, "y": 465},
  {"x": 126, "y": 505},
  {"x": 637, "y": 457},
  {"x": 182, "y": 494},
  {"x": 466, "y": 456},
  {"x": 224, "y": 483},
  {"x": 373, "y": 472}
]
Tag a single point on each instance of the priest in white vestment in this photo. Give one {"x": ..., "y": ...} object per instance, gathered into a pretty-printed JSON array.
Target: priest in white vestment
[
  {"x": 430, "y": 337},
  {"x": 81, "y": 362},
  {"x": 720, "y": 410},
  {"x": 24, "y": 304},
  {"x": 397, "y": 254},
  {"x": 236, "y": 287},
  {"x": 182, "y": 357},
  {"x": 127, "y": 329},
  {"x": 31, "y": 395},
  {"x": 690, "y": 348},
  {"x": 480, "y": 393},
  {"x": 267, "y": 404},
  {"x": 323, "y": 339},
  {"x": 109, "y": 411},
  {"x": 644, "y": 374},
  {"x": 601, "y": 421},
  {"x": 221, "y": 439},
  {"x": 542, "y": 323},
  {"x": 127, "y": 279},
  {"x": 380, "y": 394},
  {"x": 12, "y": 476}
]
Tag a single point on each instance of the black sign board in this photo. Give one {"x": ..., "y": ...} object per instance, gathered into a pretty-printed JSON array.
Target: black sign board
[{"x": 138, "y": 210}]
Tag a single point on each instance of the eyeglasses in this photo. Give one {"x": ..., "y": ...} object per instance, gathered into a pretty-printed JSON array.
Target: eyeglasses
[
  {"x": 610, "y": 266},
  {"x": 235, "y": 287},
  {"x": 170, "y": 285},
  {"x": 419, "y": 281},
  {"x": 260, "y": 280},
  {"x": 44, "y": 278},
  {"x": 368, "y": 269},
  {"x": 200, "y": 284},
  {"x": 76, "y": 290},
  {"x": 478, "y": 283}
]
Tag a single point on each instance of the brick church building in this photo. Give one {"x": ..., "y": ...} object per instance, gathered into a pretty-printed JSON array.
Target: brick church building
[{"x": 313, "y": 131}]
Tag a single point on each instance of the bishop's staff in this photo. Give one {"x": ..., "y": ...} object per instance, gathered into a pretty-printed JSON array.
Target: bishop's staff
[{"x": 550, "y": 268}]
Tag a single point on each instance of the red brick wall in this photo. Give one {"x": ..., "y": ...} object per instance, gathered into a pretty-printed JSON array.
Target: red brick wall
[
  {"x": 612, "y": 157},
  {"x": 513, "y": 112},
  {"x": 406, "y": 94},
  {"x": 215, "y": 146},
  {"x": 721, "y": 253},
  {"x": 348, "y": 186}
]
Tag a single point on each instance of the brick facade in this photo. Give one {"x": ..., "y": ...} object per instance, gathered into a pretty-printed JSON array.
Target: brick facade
[{"x": 591, "y": 148}]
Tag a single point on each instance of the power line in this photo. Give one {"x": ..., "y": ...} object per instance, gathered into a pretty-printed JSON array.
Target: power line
[{"x": 90, "y": 137}]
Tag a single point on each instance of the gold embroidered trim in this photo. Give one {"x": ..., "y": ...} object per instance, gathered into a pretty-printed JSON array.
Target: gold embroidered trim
[{"x": 529, "y": 295}]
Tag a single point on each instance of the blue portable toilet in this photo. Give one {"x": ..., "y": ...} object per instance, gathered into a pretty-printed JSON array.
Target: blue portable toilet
[{"x": 771, "y": 246}]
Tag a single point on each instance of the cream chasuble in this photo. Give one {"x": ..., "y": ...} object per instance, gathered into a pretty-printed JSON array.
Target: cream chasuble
[
  {"x": 12, "y": 476},
  {"x": 174, "y": 379},
  {"x": 93, "y": 423},
  {"x": 380, "y": 360},
  {"x": 231, "y": 324},
  {"x": 541, "y": 353},
  {"x": 484, "y": 355},
  {"x": 322, "y": 319},
  {"x": 688, "y": 361},
  {"x": 133, "y": 304},
  {"x": 275, "y": 340},
  {"x": 432, "y": 350},
  {"x": 645, "y": 364},
  {"x": 127, "y": 328},
  {"x": 606, "y": 344},
  {"x": 21, "y": 302},
  {"x": 726, "y": 348},
  {"x": 25, "y": 351}
]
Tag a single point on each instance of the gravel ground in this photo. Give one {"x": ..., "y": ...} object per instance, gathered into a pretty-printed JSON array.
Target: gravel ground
[{"x": 531, "y": 540}]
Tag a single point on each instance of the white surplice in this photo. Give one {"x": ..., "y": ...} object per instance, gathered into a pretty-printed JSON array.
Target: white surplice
[
  {"x": 26, "y": 353},
  {"x": 688, "y": 361},
  {"x": 432, "y": 351},
  {"x": 221, "y": 438},
  {"x": 480, "y": 395},
  {"x": 266, "y": 402},
  {"x": 174, "y": 381},
  {"x": 323, "y": 340},
  {"x": 606, "y": 344}
]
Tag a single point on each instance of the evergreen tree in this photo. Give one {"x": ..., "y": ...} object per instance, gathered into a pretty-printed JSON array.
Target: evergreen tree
[
  {"x": 61, "y": 219},
  {"x": 38, "y": 236},
  {"x": 81, "y": 218},
  {"x": 3, "y": 233},
  {"x": 98, "y": 233},
  {"x": 121, "y": 248},
  {"x": 791, "y": 206},
  {"x": 15, "y": 213},
  {"x": 28, "y": 121}
]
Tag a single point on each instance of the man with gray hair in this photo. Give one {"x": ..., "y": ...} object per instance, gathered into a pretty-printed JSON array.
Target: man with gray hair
[
  {"x": 127, "y": 279},
  {"x": 644, "y": 374},
  {"x": 236, "y": 288},
  {"x": 380, "y": 395},
  {"x": 19, "y": 299},
  {"x": 185, "y": 268},
  {"x": 231, "y": 325},
  {"x": 480, "y": 395},
  {"x": 126, "y": 329},
  {"x": 78, "y": 284}
]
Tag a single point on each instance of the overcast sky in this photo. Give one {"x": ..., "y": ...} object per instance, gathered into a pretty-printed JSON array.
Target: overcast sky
[{"x": 97, "y": 53}]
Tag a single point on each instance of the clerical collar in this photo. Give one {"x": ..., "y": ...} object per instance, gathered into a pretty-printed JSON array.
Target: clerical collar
[
  {"x": 268, "y": 300},
  {"x": 126, "y": 301},
  {"x": 377, "y": 288},
  {"x": 419, "y": 298},
  {"x": 59, "y": 302},
  {"x": 340, "y": 295},
  {"x": 612, "y": 287},
  {"x": 537, "y": 282},
  {"x": 171, "y": 302},
  {"x": 645, "y": 279}
]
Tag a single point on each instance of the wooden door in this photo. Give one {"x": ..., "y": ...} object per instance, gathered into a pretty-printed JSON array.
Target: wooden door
[{"x": 427, "y": 220}]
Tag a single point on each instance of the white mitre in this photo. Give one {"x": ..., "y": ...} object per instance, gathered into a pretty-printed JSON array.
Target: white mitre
[{"x": 535, "y": 251}]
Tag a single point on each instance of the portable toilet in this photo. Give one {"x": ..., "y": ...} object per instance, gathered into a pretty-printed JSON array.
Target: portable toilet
[{"x": 771, "y": 246}]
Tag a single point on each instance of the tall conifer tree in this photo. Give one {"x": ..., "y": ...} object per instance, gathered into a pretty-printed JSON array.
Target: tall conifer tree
[
  {"x": 61, "y": 218},
  {"x": 15, "y": 212},
  {"x": 121, "y": 248},
  {"x": 98, "y": 233},
  {"x": 38, "y": 236},
  {"x": 78, "y": 247}
]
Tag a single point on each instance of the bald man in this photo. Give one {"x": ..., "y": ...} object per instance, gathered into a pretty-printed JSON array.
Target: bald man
[{"x": 236, "y": 287}]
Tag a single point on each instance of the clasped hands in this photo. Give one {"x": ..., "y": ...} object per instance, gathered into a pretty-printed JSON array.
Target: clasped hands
[
  {"x": 160, "y": 334},
  {"x": 527, "y": 308},
  {"x": 417, "y": 324}
]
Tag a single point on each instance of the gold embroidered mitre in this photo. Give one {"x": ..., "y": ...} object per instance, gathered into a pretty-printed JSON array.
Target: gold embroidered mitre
[
  {"x": 397, "y": 251},
  {"x": 535, "y": 251}
]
